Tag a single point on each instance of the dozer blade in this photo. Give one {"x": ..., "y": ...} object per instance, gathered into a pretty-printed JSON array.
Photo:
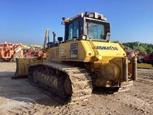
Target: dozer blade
[
  {"x": 144, "y": 66},
  {"x": 22, "y": 66}
]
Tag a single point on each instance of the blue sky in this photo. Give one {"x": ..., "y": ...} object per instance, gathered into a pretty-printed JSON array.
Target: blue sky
[{"x": 25, "y": 21}]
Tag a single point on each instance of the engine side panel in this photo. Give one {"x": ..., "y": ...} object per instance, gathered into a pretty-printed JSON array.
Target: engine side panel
[{"x": 85, "y": 51}]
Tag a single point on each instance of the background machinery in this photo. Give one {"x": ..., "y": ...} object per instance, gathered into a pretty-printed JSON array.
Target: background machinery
[
  {"x": 85, "y": 59},
  {"x": 9, "y": 51},
  {"x": 148, "y": 58},
  {"x": 146, "y": 61},
  {"x": 36, "y": 47},
  {"x": 31, "y": 51}
]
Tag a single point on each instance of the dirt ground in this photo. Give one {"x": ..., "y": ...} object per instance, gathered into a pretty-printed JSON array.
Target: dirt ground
[{"x": 18, "y": 97}]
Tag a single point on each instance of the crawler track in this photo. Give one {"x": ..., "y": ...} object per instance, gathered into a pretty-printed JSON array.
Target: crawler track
[{"x": 66, "y": 84}]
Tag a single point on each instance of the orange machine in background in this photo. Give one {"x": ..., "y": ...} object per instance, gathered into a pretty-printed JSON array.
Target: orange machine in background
[{"x": 9, "y": 51}]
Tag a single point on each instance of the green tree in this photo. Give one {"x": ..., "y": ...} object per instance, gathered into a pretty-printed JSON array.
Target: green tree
[
  {"x": 149, "y": 50},
  {"x": 140, "y": 48}
]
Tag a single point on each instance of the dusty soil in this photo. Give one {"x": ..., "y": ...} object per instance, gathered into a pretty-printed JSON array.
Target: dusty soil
[{"x": 18, "y": 97}]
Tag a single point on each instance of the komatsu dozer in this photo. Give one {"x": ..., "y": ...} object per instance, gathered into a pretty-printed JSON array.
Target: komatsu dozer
[{"x": 83, "y": 60}]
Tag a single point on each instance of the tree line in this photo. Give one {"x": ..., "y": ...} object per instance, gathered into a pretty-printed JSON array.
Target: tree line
[{"x": 142, "y": 47}]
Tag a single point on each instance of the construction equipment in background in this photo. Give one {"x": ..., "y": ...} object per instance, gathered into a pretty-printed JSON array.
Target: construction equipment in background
[
  {"x": 23, "y": 65},
  {"x": 36, "y": 47},
  {"x": 24, "y": 46},
  {"x": 148, "y": 58},
  {"x": 146, "y": 61},
  {"x": 32, "y": 50},
  {"x": 32, "y": 46},
  {"x": 9, "y": 51},
  {"x": 85, "y": 59}
]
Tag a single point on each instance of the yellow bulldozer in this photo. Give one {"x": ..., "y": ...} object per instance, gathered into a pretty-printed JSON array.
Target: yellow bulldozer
[{"x": 83, "y": 60}]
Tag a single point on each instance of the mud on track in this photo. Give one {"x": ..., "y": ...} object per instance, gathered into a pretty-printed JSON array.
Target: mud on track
[{"x": 137, "y": 101}]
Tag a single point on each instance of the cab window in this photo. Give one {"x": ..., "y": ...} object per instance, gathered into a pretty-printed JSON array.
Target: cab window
[
  {"x": 70, "y": 31},
  {"x": 95, "y": 31},
  {"x": 73, "y": 30}
]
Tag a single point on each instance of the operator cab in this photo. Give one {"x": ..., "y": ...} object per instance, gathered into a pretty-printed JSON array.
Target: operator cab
[{"x": 90, "y": 25}]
